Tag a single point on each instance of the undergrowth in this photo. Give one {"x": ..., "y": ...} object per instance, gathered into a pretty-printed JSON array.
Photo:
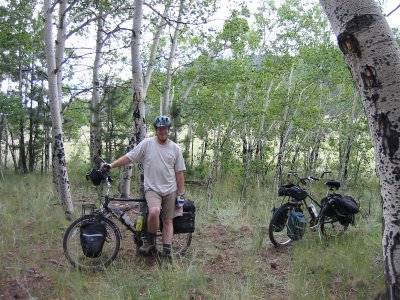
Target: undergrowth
[{"x": 230, "y": 257}]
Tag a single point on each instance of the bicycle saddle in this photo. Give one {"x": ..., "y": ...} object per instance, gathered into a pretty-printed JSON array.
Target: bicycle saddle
[{"x": 332, "y": 184}]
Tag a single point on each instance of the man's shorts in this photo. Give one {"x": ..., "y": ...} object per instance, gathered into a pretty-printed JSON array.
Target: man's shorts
[{"x": 167, "y": 203}]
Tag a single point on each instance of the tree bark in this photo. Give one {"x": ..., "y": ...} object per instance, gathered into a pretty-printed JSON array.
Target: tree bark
[
  {"x": 139, "y": 131},
  {"x": 3, "y": 126},
  {"x": 22, "y": 155},
  {"x": 166, "y": 103},
  {"x": 95, "y": 121},
  {"x": 59, "y": 161},
  {"x": 154, "y": 47},
  {"x": 373, "y": 56}
]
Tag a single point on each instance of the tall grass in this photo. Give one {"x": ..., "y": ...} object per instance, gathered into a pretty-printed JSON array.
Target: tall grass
[
  {"x": 348, "y": 267},
  {"x": 227, "y": 260}
]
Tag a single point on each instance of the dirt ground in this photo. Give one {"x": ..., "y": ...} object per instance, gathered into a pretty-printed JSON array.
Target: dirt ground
[{"x": 32, "y": 280}]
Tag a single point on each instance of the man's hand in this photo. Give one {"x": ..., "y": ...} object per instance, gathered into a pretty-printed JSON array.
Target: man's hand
[{"x": 105, "y": 167}]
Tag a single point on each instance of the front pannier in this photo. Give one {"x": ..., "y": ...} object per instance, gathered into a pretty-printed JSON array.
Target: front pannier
[
  {"x": 186, "y": 222},
  {"x": 297, "y": 224},
  {"x": 293, "y": 191},
  {"x": 93, "y": 235}
]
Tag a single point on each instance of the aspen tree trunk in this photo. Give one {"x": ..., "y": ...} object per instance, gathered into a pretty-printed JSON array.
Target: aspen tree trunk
[
  {"x": 373, "y": 56},
  {"x": 154, "y": 47},
  {"x": 3, "y": 122},
  {"x": 284, "y": 137},
  {"x": 260, "y": 137},
  {"x": 139, "y": 131},
  {"x": 95, "y": 121},
  {"x": 60, "y": 47},
  {"x": 345, "y": 155},
  {"x": 60, "y": 166},
  {"x": 139, "y": 87},
  {"x": 313, "y": 154},
  {"x": 166, "y": 104},
  {"x": 189, "y": 136},
  {"x": 22, "y": 154},
  {"x": 12, "y": 151}
]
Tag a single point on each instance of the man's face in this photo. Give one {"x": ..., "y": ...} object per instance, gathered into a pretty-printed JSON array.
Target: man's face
[{"x": 162, "y": 133}]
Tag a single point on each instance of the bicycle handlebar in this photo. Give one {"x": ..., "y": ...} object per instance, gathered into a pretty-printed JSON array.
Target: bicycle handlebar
[{"x": 309, "y": 178}]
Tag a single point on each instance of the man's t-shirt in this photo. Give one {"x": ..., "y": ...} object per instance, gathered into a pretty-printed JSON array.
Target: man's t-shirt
[{"x": 160, "y": 163}]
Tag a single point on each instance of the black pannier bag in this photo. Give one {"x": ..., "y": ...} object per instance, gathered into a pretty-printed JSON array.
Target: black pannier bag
[
  {"x": 293, "y": 191},
  {"x": 344, "y": 207},
  {"x": 93, "y": 235},
  {"x": 280, "y": 220},
  {"x": 186, "y": 222}
]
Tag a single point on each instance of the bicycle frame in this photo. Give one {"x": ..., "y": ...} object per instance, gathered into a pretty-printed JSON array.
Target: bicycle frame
[{"x": 105, "y": 208}]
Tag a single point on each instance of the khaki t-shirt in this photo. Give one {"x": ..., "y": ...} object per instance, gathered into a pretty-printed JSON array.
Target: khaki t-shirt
[{"x": 160, "y": 163}]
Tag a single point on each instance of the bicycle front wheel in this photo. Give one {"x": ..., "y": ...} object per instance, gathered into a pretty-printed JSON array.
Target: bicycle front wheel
[
  {"x": 329, "y": 224},
  {"x": 73, "y": 248},
  {"x": 278, "y": 226}
]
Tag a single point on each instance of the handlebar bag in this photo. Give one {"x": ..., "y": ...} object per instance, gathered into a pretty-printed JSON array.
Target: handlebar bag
[
  {"x": 95, "y": 176},
  {"x": 93, "y": 235},
  {"x": 293, "y": 191},
  {"x": 297, "y": 223},
  {"x": 186, "y": 222}
]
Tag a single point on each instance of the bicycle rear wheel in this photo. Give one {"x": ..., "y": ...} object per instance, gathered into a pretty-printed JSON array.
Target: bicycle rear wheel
[
  {"x": 180, "y": 243},
  {"x": 329, "y": 224},
  {"x": 278, "y": 226},
  {"x": 73, "y": 248}
]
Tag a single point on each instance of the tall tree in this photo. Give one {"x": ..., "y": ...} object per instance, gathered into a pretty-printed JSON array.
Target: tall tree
[
  {"x": 373, "y": 56},
  {"x": 95, "y": 121},
  {"x": 60, "y": 173},
  {"x": 139, "y": 131}
]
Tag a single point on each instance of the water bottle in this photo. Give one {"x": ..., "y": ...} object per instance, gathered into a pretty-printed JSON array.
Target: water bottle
[
  {"x": 139, "y": 222},
  {"x": 314, "y": 210},
  {"x": 179, "y": 201},
  {"x": 127, "y": 220}
]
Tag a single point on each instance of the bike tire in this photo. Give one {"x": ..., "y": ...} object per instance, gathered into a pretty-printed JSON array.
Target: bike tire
[
  {"x": 180, "y": 243},
  {"x": 279, "y": 237},
  {"x": 329, "y": 225},
  {"x": 73, "y": 249}
]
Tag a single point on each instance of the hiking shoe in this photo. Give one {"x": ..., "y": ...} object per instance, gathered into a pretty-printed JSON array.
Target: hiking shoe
[
  {"x": 147, "y": 248},
  {"x": 149, "y": 244}
]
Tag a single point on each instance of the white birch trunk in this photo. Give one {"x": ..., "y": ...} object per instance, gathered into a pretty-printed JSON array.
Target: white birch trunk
[
  {"x": 139, "y": 131},
  {"x": 95, "y": 122},
  {"x": 166, "y": 104},
  {"x": 60, "y": 47},
  {"x": 373, "y": 57},
  {"x": 154, "y": 47},
  {"x": 60, "y": 166}
]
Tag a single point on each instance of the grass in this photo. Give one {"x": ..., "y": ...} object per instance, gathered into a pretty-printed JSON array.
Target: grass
[{"x": 230, "y": 257}]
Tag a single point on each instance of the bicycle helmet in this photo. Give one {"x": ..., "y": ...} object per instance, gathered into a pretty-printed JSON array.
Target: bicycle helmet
[{"x": 162, "y": 121}]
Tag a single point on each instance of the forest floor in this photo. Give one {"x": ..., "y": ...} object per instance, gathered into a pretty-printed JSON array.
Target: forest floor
[{"x": 32, "y": 280}]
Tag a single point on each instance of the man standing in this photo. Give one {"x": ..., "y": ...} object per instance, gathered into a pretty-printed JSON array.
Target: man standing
[{"x": 163, "y": 166}]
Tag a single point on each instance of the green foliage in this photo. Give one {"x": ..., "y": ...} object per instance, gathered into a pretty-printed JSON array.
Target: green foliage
[{"x": 75, "y": 118}]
